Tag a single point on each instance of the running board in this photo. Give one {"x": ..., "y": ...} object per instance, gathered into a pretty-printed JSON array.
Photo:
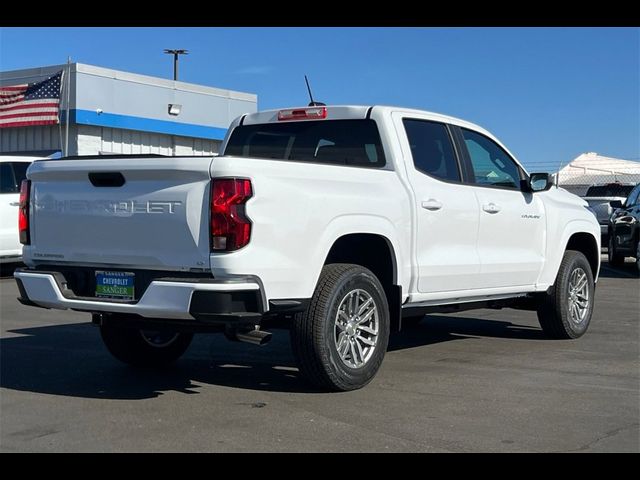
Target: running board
[{"x": 525, "y": 301}]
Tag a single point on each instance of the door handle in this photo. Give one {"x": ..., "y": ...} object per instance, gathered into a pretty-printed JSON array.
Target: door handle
[
  {"x": 491, "y": 207},
  {"x": 432, "y": 204},
  {"x": 15, "y": 204}
]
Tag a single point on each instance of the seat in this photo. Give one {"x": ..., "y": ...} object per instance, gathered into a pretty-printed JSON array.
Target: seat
[{"x": 430, "y": 158}]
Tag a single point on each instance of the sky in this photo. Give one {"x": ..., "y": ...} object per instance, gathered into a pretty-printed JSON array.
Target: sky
[{"x": 548, "y": 94}]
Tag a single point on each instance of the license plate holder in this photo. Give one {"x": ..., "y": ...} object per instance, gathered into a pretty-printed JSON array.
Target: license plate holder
[{"x": 115, "y": 285}]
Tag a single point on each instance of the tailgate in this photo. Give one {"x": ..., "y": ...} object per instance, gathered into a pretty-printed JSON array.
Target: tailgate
[{"x": 157, "y": 219}]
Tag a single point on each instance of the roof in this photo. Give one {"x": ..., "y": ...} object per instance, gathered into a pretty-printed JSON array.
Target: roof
[
  {"x": 361, "y": 111},
  {"x": 20, "y": 158},
  {"x": 11, "y": 76}
]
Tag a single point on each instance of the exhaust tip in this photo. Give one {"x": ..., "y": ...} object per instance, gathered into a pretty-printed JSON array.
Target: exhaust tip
[{"x": 255, "y": 337}]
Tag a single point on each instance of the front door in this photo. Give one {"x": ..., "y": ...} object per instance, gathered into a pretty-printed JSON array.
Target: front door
[{"x": 511, "y": 237}]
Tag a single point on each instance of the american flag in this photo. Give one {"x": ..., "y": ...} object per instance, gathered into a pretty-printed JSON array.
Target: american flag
[{"x": 31, "y": 103}]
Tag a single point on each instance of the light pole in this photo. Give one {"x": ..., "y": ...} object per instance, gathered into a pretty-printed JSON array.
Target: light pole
[{"x": 175, "y": 54}]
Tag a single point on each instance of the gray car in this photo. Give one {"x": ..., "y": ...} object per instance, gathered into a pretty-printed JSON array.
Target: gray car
[{"x": 599, "y": 198}]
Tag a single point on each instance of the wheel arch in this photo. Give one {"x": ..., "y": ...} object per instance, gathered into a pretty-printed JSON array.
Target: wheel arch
[
  {"x": 371, "y": 250},
  {"x": 377, "y": 250},
  {"x": 580, "y": 235},
  {"x": 587, "y": 244}
]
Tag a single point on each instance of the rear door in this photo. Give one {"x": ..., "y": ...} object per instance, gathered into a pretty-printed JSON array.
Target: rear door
[
  {"x": 446, "y": 209},
  {"x": 511, "y": 234}
]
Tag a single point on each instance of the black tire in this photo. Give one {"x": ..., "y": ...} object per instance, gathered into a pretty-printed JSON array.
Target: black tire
[
  {"x": 615, "y": 259},
  {"x": 313, "y": 334},
  {"x": 554, "y": 311},
  {"x": 130, "y": 346}
]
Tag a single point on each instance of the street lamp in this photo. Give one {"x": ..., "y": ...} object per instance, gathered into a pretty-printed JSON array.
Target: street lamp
[{"x": 175, "y": 54}]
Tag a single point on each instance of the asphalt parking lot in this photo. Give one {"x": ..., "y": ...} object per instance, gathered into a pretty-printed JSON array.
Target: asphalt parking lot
[{"x": 480, "y": 381}]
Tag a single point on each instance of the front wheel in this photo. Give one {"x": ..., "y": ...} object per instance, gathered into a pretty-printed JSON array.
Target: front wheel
[
  {"x": 566, "y": 310},
  {"x": 340, "y": 340},
  {"x": 145, "y": 348}
]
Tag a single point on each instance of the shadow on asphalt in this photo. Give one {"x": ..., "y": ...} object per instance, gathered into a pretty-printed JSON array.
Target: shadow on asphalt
[
  {"x": 70, "y": 360},
  {"x": 628, "y": 270},
  {"x": 441, "y": 328}
]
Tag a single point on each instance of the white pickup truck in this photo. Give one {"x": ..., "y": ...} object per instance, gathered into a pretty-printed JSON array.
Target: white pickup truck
[{"x": 340, "y": 223}]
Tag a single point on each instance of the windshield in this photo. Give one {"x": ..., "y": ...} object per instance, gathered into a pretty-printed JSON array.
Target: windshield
[{"x": 341, "y": 142}]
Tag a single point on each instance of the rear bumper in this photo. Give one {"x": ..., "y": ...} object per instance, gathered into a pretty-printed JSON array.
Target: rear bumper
[{"x": 207, "y": 300}]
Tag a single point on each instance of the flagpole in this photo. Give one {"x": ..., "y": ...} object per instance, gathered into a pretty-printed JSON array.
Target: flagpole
[
  {"x": 62, "y": 91},
  {"x": 66, "y": 140}
]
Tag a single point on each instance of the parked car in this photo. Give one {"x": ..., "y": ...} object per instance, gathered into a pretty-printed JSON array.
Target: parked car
[
  {"x": 624, "y": 229},
  {"x": 600, "y": 197},
  {"x": 12, "y": 171},
  {"x": 337, "y": 222}
]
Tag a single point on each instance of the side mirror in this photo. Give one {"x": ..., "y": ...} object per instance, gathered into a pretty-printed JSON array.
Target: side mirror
[
  {"x": 538, "y": 182},
  {"x": 616, "y": 203}
]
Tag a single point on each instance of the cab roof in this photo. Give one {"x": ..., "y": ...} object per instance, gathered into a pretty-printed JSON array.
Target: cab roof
[{"x": 352, "y": 112}]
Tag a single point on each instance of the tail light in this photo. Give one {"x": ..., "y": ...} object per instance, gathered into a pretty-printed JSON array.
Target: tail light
[
  {"x": 230, "y": 227},
  {"x": 23, "y": 212}
]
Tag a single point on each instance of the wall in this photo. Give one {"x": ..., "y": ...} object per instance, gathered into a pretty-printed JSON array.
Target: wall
[
  {"x": 29, "y": 139},
  {"x": 93, "y": 140},
  {"x": 132, "y": 95}
]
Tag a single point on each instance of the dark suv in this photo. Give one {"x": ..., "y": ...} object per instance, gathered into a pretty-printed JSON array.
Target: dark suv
[{"x": 624, "y": 229}]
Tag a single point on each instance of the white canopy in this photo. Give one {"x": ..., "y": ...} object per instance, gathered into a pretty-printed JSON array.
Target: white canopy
[{"x": 590, "y": 169}]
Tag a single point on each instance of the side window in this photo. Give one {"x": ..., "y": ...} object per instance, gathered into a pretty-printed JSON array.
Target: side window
[
  {"x": 431, "y": 149},
  {"x": 491, "y": 164},
  {"x": 7, "y": 181}
]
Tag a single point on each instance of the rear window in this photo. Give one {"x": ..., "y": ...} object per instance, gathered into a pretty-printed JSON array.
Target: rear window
[
  {"x": 612, "y": 190},
  {"x": 337, "y": 142}
]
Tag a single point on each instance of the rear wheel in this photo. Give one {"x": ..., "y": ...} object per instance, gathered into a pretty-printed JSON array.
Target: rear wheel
[
  {"x": 614, "y": 257},
  {"x": 638, "y": 255},
  {"x": 566, "y": 311},
  {"x": 340, "y": 340},
  {"x": 145, "y": 348}
]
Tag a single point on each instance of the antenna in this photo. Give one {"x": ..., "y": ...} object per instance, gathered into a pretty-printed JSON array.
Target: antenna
[{"x": 312, "y": 103}]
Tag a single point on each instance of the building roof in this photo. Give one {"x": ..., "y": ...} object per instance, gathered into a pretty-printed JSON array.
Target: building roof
[{"x": 10, "y": 77}]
